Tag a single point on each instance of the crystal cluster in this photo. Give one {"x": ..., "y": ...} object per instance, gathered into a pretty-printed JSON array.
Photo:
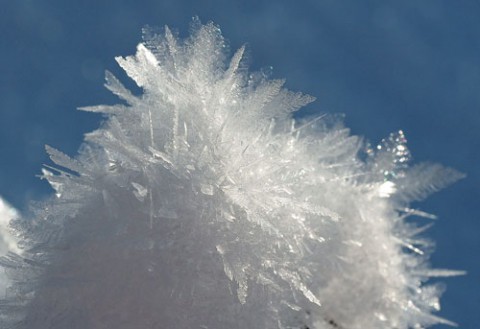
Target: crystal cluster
[{"x": 201, "y": 203}]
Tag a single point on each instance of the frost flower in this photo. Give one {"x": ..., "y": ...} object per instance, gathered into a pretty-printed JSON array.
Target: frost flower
[{"x": 201, "y": 203}]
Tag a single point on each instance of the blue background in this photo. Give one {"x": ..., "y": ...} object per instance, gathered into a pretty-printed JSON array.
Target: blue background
[{"x": 388, "y": 65}]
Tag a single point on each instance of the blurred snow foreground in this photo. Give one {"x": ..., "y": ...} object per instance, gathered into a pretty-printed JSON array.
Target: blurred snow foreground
[
  {"x": 7, "y": 239},
  {"x": 202, "y": 204}
]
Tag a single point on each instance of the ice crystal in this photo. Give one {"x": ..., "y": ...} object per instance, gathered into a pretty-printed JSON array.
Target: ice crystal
[{"x": 201, "y": 203}]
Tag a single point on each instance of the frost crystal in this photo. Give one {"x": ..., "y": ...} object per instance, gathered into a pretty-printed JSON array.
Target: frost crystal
[{"x": 202, "y": 204}]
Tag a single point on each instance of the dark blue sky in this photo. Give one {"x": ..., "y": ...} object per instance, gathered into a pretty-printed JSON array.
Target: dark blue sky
[{"x": 387, "y": 65}]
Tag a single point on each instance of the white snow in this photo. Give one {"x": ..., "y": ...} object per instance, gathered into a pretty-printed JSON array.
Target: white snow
[{"x": 8, "y": 242}]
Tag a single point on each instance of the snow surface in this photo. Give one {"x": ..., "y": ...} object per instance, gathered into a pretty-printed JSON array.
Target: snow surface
[{"x": 202, "y": 204}]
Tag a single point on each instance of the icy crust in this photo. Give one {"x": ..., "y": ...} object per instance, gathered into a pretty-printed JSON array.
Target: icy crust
[{"x": 203, "y": 204}]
